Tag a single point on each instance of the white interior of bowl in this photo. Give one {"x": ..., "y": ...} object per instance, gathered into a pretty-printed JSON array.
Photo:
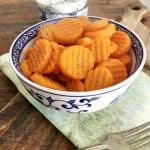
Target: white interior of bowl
[{"x": 30, "y": 44}]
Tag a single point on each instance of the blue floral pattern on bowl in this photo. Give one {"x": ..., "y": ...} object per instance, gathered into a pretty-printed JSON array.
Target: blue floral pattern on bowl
[{"x": 70, "y": 104}]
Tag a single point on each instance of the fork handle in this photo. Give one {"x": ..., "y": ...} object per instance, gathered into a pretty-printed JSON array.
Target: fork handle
[{"x": 98, "y": 147}]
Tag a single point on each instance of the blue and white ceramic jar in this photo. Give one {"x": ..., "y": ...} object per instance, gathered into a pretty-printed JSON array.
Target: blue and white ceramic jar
[{"x": 50, "y": 9}]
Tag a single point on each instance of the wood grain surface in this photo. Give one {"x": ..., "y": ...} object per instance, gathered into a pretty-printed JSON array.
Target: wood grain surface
[{"x": 21, "y": 125}]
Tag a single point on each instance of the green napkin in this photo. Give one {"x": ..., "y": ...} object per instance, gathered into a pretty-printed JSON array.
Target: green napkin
[{"x": 85, "y": 130}]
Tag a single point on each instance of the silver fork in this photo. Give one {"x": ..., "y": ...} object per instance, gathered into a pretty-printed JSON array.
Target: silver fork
[{"x": 132, "y": 139}]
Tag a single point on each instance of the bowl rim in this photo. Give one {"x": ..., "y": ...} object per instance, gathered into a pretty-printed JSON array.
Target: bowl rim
[{"x": 130, "y": 79}]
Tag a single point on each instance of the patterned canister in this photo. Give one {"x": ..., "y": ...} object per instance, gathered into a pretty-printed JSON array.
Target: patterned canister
[{"x": 49, "y": 9}]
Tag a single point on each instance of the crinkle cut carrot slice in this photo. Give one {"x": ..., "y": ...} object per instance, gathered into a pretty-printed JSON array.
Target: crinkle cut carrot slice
[
  {"x": 98, "y": 78},
  {"x": 76, "y": 61}
]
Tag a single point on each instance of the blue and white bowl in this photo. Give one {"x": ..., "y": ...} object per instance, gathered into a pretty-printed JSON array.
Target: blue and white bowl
[{"x": 77, "y": 102}]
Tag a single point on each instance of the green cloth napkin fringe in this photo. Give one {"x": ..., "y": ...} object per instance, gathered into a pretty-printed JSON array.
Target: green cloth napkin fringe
[{"x": 85, "y": 130}]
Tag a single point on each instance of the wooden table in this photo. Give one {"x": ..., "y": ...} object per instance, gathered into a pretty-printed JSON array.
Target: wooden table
[{"x": 21, "y": 125}]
